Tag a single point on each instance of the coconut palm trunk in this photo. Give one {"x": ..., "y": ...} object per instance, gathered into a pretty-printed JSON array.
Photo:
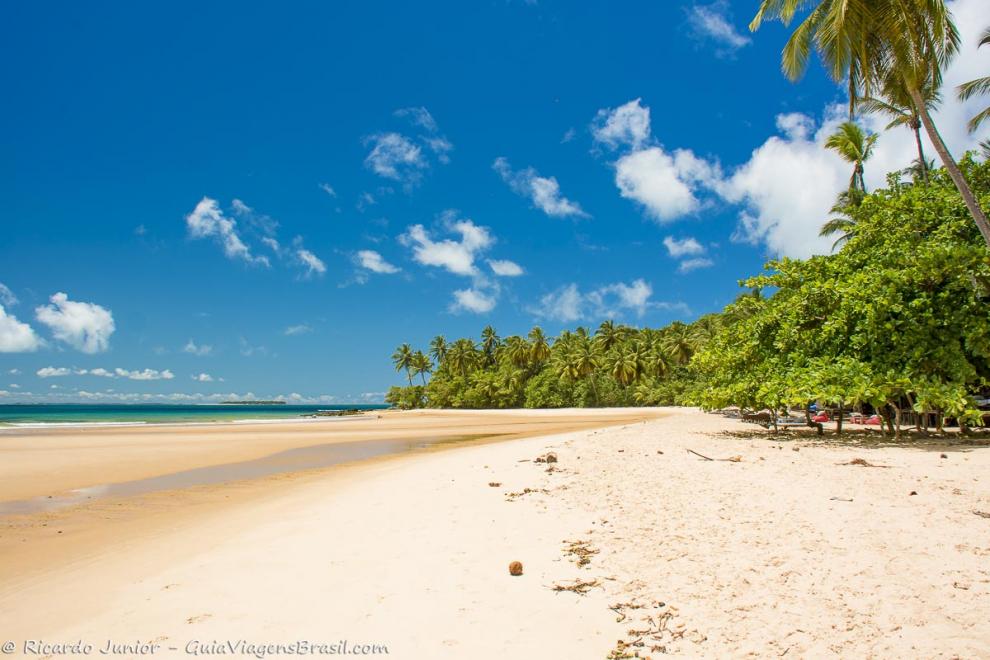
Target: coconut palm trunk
[
  {"x": 952, "y": 168},
  {"x": 916, "y": 129}
]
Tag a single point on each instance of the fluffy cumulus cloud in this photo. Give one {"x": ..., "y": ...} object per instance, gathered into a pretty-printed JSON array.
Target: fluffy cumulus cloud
[
  {"x": 569, "y": 304},
  {"x": 15, "y": 336},
  {"x": 421, "y": 118},
  {"x": 394, "y": 156},
  {"x": 207, "y": 220},
  {"x": 473, "y": 300},
  {"x": 505, "y": 268},
  {"x": 313, "y": 264},
  {"x": 136, "y": 374},
  {"x": 203, "y": 378},
  {"x": 455, "y": 256},
  {"x": 144, "y": 374},
  {"x": 294, "y": 330},
  {"x": 712, "y": 24},
  {"x": 695, "y": 263},
  {"x": 543, "y": 192},
  {"x": 84, "y": 326},
  {"x": 53, "y": 372},
  {"x": 374, "y": 262},
  {"x": 626, "y": 125}
]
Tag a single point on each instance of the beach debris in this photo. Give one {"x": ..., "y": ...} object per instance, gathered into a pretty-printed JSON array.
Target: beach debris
[
  {"x": 551, "y": 457},
  {"x": 863, "y": 463},
  {"x": 943, "y": 456},
  {"x": 198, "y": 618},
  {"x": 795, "y": 449},
  {"x": 525, "y": 491},
  {"x": 981, "y": 514},
  {"x": 961, "y": 585},
  {"x": 659, "y": 452},
  {"x": 913, "y": 492},
  {"x": 494, "y": 484},
  {"x": 581, "y": 550},
  {"x": 515, "y": 568},
  {"x": 840, "y": 499},
  {"x": 731, "y": 459},
  {"x": 578, "y": 586}
]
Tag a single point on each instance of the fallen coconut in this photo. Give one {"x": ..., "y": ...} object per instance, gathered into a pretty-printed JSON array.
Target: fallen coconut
[{"x": 515, "y": 568}]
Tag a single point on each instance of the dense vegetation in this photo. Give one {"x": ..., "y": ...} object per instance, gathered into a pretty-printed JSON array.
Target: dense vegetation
[{"x": 899, "y": 316}]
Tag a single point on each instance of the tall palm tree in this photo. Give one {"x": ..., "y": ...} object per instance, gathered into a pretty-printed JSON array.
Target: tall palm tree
[
  {"x": 462, "y": 356},
  {"x": 438, "y": 348},
  {"x": 865, "y": 42},
  {"x": 490, "y": 343},
  {"x": 584, "y": 361},
  {"x": 539, "y": 346},
  {"x": 421, "y": 365},
  {"x": 855, "y": 146},
  {"x": 677, "y": 342},
  {"x": 609, "y": 334},
  {"x": 918, "y": 170},
  {"x": 402, "y": 358},
  {"x": 625, "y": 365},
  {"x": 978, "y": 86},
  {"x": 896, "y": 103}
]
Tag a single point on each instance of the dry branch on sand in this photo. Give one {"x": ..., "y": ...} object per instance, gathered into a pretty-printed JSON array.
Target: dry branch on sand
[
  {"x": 525, "y": 491},
  {"x": 582, "y": 550},
  {"x": 731, "y": 459},
  {"x": 579, "y": 586},
  {"x": 863, "y": 463}
]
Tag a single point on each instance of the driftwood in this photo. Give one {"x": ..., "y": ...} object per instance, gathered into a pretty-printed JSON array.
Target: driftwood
[{"x": 731, "y": 459}]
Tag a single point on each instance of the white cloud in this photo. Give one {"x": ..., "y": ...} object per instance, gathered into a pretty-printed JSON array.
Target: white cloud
[
  {"x": 52, "y": 372},
  {"x": 652, "y": 178},
  {"x": 568, "y": 303},
  {"x": 544, "y": 192},
  {"x": 472, "y": 300},
  {"x": 14, "y": 372},
  {"x": 696, "y": 263},
  {"x": 313, "y": 264},
  {"x": 626, "y": 125},
  {"x": 328, "y": 189},
  {"x": 193, "y": 348},
  {"x": 394, "y": 156},
  {"x": 7, "y": 297},
  {"x": 455, "y": 256},
  {"x": 16, "y": 337},
  {"x": 203, "y": 378},
  {"x": 505, "y": 268},
  {"x": 678, "y": 248},
  {"x": 207, "y": 220},
  {"x": 711, "y": 23},
  {"x": 85, "y": 326},
  {"x": 145, "y": 374},
  {"x": 101, "y": 372},
  {"x": 373, "y": 261},
  {"x": 421, "y": 118},
  {"x": 300, "y": 329}
]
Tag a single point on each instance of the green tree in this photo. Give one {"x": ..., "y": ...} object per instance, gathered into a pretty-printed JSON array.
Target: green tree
[
  {"x": 438, "y": 348},
  {"x": 855, "y": 146}
]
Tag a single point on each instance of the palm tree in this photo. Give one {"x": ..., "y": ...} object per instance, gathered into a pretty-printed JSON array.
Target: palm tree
[
  {"x": 854, "y": 145},
  {"x": 985, "y": 148},
  {"x": 843, "y": 224},
  {"x": 865, "y": 43},
  {"x": 978, "y": 86},
  {"x": 895, "y": 102},
  {"x": 677, "y": 343},
  {"x": 403, "y": 359},
  {"x": 609, "y": 334},
  {"x": 438, "y": 348},
  {"x": 625, "y": 365},
  {"x": 918, "y": 170},
  {"x": 421, "y": 365},
  {"x": 518, "y": 351},
  {"x": 584, "y": 361},
  {"x": 539, "y": 346},
  {"x": 462, "y": 356},
  {"x": 490, "y": 343}
]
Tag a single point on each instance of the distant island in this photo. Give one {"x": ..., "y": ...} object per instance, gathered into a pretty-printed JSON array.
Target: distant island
[{"x": 252, "y": 403}]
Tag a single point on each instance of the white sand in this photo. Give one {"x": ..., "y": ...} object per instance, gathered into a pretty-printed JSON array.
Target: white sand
[{"x": 750, "y": 558}]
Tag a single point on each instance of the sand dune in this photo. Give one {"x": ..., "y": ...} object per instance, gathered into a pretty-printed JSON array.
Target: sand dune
[{"x": 781, "y": 552}]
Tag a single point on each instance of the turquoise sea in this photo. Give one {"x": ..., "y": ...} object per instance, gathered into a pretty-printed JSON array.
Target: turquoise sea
[{"x": 43, "y": 414}]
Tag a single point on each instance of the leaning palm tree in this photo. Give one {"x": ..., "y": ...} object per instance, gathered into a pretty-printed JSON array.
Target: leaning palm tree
[
  {"x": 402, "y": 358},
  {"x": 855, "y": 146},
  {"x": 865, "y": 43},
  {"x": 978, "y": 86},
  {"x": 896, "y": 103}
]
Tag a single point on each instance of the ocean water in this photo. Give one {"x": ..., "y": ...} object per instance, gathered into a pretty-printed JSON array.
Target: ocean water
[{"x": 44, "y": 414}]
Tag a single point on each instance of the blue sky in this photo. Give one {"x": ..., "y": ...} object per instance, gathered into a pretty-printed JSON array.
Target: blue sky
[{"x": 201, "y": 200}]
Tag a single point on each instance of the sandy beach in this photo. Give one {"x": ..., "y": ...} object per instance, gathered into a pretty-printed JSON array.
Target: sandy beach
[{"x": 630, "y": 543}]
